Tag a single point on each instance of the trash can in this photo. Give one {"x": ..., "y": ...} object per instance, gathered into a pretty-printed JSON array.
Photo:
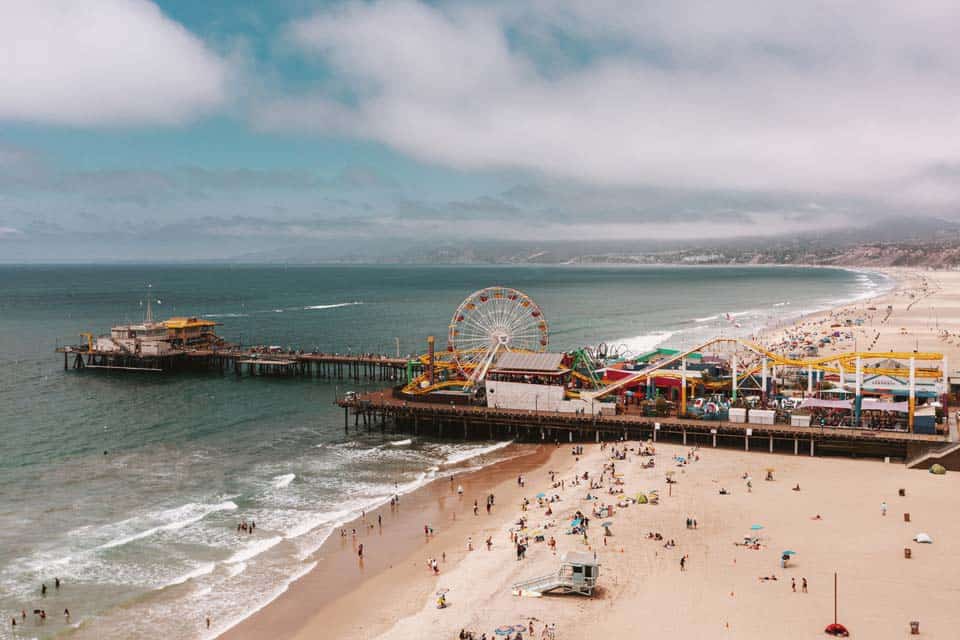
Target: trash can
[
  {"x": 907, "y": 553},
  {"x": 906, "y": 517},
  {"x": 914, "y": 627}
]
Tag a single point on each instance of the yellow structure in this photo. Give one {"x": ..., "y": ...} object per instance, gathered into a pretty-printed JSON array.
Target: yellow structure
[{"x": 185, "y": 331}]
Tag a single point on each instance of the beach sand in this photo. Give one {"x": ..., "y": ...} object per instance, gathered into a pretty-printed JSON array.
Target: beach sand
[
  {"x": 719, "y": 595},
  {"x": 642, "y": 590},
  {"x": 338, "y": 596},
  {"x": 925, "y": 316}
]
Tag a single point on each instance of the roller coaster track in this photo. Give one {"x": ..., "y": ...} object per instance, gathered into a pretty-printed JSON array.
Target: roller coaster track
[{"x": 837, "y": 363}]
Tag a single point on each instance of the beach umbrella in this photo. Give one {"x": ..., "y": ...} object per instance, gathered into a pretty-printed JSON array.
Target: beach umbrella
[
  {"x": 788, "y": 552},
  {"x": 923, "y": 537},
  {"x": 756, "y": 527},
  {"x": 541, "y": 495},
  {"x": 837, "y": 630},
  {"x": 504, "y": 630}
]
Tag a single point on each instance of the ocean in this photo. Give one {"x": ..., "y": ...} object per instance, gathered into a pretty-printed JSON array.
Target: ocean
[{"x": 128, "y": 487}]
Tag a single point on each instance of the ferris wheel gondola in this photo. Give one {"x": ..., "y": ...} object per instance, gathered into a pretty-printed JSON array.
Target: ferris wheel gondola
[{"x": 491, "y": 321}]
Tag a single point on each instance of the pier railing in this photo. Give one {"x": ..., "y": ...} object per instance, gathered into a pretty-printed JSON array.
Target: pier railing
[{"x": 252, "y": 361}]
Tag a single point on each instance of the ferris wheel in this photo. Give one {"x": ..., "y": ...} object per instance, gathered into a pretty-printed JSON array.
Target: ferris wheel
[{"x": 491, "y": 321}]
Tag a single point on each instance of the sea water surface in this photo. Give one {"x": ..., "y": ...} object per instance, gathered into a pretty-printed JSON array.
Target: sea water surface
[{"x": 129, "y": 486}]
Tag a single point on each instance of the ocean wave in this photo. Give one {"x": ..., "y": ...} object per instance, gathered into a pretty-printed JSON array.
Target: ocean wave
[
  {"x": 317, "y": 307},
  {"x": 183, "y": 516},
  {"x": 707, "y": 318},
  {"x": 279, "y": 482},
  {"x": 461, "y": 456},
  {"x": 642, "y": 343},
  {"x": 254, "y": 549},
  {"x": 226, "y": 315},
  {"x": 401, "y": 443},
  {"x": 202, "y": 570},
  {"x": 273, "y": 596}
]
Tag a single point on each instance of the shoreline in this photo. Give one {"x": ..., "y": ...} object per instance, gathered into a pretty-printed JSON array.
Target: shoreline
[
  {"x": 288, "y": 615},
  {"x": 395, "y": 552}
]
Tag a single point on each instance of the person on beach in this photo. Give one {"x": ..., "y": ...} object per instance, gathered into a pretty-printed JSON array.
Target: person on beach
[
  {"x": 460, "y": 490},
  {"x": 804, "y": 585},
  {"x": 469, "y": 543},
  {"x": 489, "y": 543},
  {"x": 793, "y": 584},
  {"x": 476, "y": 508},
  {"x": 208, "y": 622},
  {"x": 683, "y": 563},
  {"x": 56, "y": 583},
  {"x": 883, "y": 508},
  {"x": 380, "y": 521},
  {"x": 360, "y": 551},
  {"x": 43, "y": 589},
  {"x": 66, "y": 616}
]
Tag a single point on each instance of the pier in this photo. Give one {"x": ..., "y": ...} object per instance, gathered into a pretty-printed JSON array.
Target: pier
[
  {"x": 391, "y": 409},
  {"x": 250, "y": 362}
]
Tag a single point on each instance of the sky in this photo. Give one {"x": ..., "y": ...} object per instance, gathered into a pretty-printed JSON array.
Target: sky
[{"x": 183, "y": 130}]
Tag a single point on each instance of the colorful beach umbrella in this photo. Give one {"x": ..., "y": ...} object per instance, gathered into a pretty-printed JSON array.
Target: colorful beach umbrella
[
  {"x": 756, "y": 527},
  {"x": 788, "y": 552},
  {"x": 541, "y": 495}
]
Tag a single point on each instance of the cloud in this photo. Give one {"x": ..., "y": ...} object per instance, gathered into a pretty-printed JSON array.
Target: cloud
[
  {"x": 103, "y": 63},
  {"x": 836, "y": 99}
]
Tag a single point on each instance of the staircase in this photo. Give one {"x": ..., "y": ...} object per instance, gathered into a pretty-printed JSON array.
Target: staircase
[
  {"x": 948, "y": 455},
  {"x": 541, "y": 585}
]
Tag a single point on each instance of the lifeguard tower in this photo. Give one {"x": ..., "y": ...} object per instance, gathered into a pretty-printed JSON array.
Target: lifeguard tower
[{"x": 578, "y": 573}]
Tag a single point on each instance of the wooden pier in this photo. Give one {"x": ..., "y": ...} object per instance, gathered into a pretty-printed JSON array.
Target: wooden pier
[
  {"x": 248, "y": 362},
  {"x": 389, "y": 409}
]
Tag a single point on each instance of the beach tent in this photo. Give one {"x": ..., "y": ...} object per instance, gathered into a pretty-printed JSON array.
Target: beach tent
[
  {"x": 923, "y": 538},
  {"x": 938, "y": 469}
]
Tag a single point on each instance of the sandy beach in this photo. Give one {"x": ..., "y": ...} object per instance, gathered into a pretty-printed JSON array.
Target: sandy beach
[
  {"x": 924, "y": 315},
  {"x": 834, "y": 523}
]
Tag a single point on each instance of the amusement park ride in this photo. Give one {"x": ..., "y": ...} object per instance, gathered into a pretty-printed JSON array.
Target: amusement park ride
[{"x": 496, "y": 354}]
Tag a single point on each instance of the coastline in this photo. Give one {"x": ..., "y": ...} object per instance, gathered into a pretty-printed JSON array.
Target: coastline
[
  {"x": 309, "y": 603},
  {"x": 394, "y": 555}
]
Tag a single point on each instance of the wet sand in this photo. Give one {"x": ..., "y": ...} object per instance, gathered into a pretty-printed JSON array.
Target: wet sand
[{"x": 349, "y": 599}]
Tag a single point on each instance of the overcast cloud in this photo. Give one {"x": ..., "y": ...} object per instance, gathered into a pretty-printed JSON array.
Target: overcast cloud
[
  {"x": 544, "y": 120},
  {"x": 833, "y": 97},
  {"x": 103, "y": 63}
]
